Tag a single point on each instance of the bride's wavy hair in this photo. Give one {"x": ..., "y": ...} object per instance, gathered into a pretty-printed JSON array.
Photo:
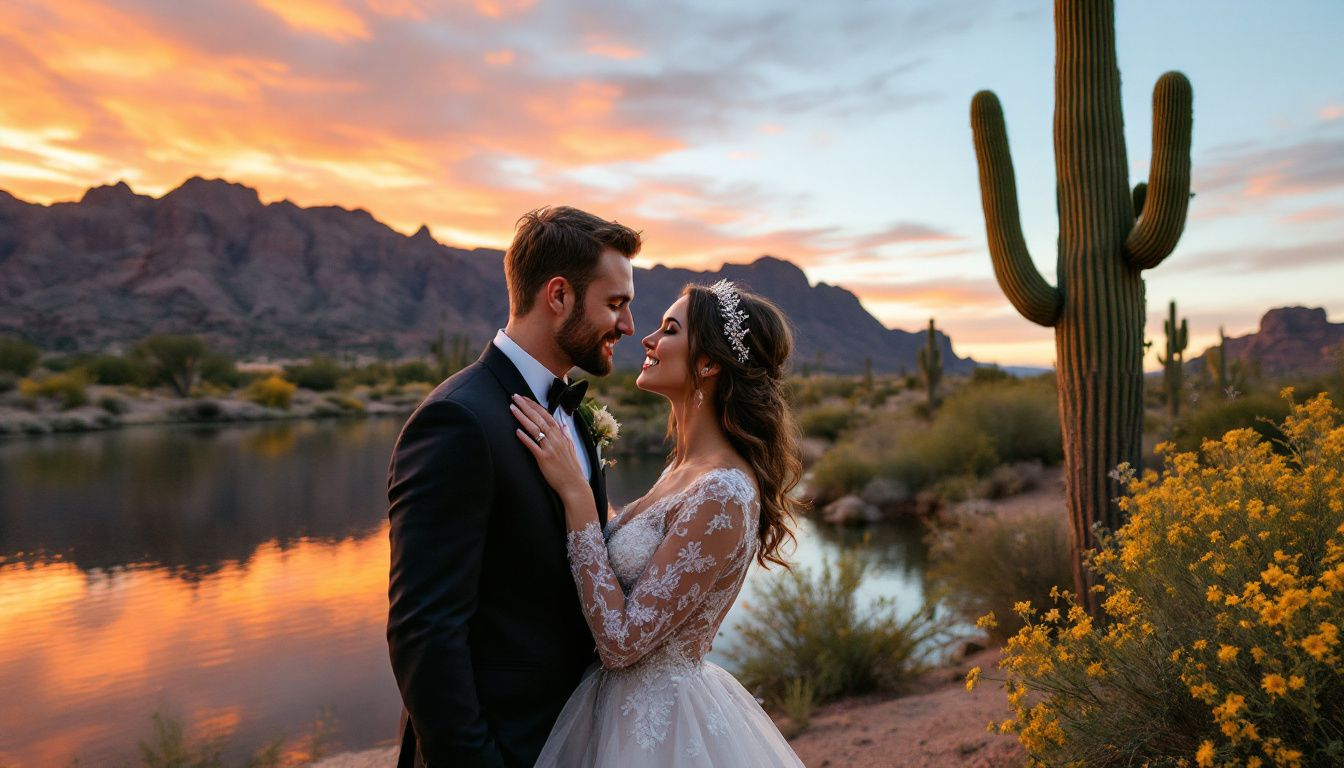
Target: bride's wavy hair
[{"x": 749, "y": 398}]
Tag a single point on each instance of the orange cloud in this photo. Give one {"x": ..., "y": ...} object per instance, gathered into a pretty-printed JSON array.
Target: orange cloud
[
  {"x": 498, "y": 9},
  {"x": 328, "y": 18},
  {"x": 608, "y": 50},
  {"x": 500, "y": 57}
]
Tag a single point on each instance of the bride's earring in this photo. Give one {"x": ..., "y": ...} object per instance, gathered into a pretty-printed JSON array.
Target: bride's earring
[{"x": 699, "y": 398}]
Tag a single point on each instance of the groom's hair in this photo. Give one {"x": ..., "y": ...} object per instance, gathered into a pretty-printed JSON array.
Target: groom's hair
[{"x": 560, "y": 241}]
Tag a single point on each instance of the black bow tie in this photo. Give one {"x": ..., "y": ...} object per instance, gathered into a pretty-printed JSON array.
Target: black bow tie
[{"x": 567, "y": 397}]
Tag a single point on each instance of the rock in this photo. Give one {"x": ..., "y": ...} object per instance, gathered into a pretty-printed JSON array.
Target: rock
[
  {"x": 886, "y": 494},
  {"x": 850, "y": 510}
]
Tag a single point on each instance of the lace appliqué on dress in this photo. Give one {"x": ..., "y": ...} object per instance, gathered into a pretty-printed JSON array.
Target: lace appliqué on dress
[{"x": 654, "y": 598}]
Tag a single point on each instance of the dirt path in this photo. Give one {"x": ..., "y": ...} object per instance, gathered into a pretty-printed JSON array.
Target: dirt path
[{"x": 942, "y": 725}]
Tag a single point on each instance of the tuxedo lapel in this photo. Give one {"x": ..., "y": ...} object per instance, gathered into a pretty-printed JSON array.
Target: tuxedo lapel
[
  {"x": 512, "y": 382},
  {"x": 598, "y": 481}
]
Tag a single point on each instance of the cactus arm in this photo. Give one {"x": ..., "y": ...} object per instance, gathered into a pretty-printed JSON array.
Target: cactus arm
[
  {"x": 1140, "y": 194},
  {"x": 1030, "y": 294},
  {"x": 1167, "y": 196}
]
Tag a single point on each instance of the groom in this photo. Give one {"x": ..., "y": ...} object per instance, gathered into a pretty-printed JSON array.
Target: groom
[{"x": 484, "y": 628}]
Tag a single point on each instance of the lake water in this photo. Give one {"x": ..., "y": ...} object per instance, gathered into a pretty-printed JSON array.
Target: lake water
[{"x": 234, "y": 578}]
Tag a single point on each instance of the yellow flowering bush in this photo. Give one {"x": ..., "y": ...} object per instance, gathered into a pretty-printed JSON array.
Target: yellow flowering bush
[
  {"x": 272, "y": 392},
  {"x": 1219, "y": 639}
]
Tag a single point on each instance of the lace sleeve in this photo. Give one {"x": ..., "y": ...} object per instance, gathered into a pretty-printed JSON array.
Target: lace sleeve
[{"x": 710, "y": 532}]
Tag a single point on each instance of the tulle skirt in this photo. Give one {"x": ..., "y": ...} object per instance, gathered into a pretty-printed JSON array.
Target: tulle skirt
[{"x": 669, "y": 717}]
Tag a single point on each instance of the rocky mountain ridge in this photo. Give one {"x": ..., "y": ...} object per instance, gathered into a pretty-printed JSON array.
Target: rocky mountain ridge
[{"x": 277, "y": 279}]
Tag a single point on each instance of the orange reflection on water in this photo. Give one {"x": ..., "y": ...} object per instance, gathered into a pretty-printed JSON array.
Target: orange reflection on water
[{"x": 92, "y": 656}]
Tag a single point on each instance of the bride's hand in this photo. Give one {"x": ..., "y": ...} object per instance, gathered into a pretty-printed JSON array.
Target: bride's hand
[{"x": 550, "y": 444}]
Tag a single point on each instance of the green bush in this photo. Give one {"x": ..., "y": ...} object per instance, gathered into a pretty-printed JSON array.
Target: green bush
[
  {"x": 17, "y": 356},
  {"x": 992, "y": 564},
  {"x": 826, "y": 422},
  {"x": 221, "y": 370},
  {"x": 113, "y": 405},
  {"x": 1215, "y": 416},
  {"x": 8, "y": 382},
  {"x": 69, "y": 389},
  {"x": 806, "y": 629},
  {"x": 415, "y": 371},
  {"x": 947, "y": 448},
  {"x": 321, "y": 374},
  {"x": 1021, "y": 419},
  {"x": 176, "y": 360},
  {"x": 118, "y": 370},
  {"x": 844, "y": 469}
]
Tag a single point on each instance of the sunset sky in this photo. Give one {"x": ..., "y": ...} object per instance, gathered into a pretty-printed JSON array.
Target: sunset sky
[{"x": 835, "y": 135}]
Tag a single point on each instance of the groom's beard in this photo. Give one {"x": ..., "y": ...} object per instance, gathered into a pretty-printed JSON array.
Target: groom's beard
[{"x": 582, "y": 342}]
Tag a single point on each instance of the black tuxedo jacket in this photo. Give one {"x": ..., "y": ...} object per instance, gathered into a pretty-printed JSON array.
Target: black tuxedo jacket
[{"x": 484, "y": 627}]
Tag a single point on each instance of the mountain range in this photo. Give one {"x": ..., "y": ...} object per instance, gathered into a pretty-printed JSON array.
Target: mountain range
[
  {"x": 1290, "y": 340},
  {"x": 209, "y": 258}
]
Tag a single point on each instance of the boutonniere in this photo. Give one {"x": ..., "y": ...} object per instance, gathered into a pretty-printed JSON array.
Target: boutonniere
[{"x": 604, "y": 427}]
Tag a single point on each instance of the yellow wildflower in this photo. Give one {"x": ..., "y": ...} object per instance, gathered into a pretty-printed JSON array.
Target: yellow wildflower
[
  {"x": 988, "y": 621},
  {"x": 1274, "y": 684},
  {"x": 972, "y": 678},
  {"x": 1204, "y": 756},
  {"x": 1227, "y": 653}
]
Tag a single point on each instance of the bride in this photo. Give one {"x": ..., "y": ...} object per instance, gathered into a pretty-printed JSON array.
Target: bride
[{"x": 656, "y": 584}]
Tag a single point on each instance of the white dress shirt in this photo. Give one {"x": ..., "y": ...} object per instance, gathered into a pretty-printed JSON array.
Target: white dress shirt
[{"x": 539, "y": 378}]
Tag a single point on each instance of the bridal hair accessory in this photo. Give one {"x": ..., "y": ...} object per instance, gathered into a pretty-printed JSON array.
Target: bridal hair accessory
[{"x": 734, "y": 319}]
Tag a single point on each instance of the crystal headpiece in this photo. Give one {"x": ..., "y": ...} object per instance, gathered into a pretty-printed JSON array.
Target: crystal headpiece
[{"x": 734, "y": 319}]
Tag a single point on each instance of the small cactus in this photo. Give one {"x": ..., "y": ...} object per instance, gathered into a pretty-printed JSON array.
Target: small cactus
[
  {"x": 931, "y": 365},
  {"x": 1174, "y": 360}
]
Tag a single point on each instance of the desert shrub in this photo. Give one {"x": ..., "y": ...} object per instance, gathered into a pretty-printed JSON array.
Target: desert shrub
[
  {"x": 841, "y": 470},
  {"x": 8, "y": 382},
  {"x": 415, "y": 371},
  {"x": 1217, "y": 415},
  {"x": 321, "y": 374},
  {"x": 346, "y": 403},
  {"x": 117, "y": 370},
  {"x": 991, "y": 564},
  {"x": 199, "y": 410},
  {"x": 826, "y": 421},
  {"x": 69, "y": 389},
  {"x": 372, "y": 375},
  {"x": 272, "y": 392},
  {"x": 808, "y": 629},
  {"x": 17, "y": 356},
  {"x": 949, "y": 447},
  {"x": 221, "y": 371},
  {"x": 1021, "y": 419},
  {"x": 988, "y": 375},
  {"x": 176, "y": 360},
  {"x": 1218, "y": 642},
  {"x": 113, "y": 405}
]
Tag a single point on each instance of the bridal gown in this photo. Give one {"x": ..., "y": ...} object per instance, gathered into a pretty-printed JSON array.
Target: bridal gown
[{"x": 655, "y": 588}]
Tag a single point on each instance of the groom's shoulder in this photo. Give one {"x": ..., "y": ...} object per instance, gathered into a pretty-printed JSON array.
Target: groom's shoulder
[{"x": 471, "y": 388}]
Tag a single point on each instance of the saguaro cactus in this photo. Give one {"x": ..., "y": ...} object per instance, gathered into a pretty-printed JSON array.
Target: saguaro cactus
[
  {"x": 1173, "y": 362},
  {"x": 1228, "y": 378},
  {"x": 1097, "y": 310},
  {"x": 931, "y": 365}
]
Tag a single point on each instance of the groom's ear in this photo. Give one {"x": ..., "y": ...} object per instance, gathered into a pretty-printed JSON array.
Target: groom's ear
[{"x": 559, "y": 295}]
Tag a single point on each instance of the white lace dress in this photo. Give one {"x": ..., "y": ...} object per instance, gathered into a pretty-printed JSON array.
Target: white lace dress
[{"x": 655, "y": 588}]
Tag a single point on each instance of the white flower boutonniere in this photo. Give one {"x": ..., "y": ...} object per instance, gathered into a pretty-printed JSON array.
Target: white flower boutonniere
[{"x": 604, "y": 427}]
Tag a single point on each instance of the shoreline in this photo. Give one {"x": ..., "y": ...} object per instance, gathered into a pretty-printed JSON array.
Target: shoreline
[{"x": 113, "y": 408}]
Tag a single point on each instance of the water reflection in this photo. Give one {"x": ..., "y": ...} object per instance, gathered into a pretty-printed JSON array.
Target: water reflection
[
  {"x": 235, "y": 576},
  {"x": 190, "y": 499}
]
